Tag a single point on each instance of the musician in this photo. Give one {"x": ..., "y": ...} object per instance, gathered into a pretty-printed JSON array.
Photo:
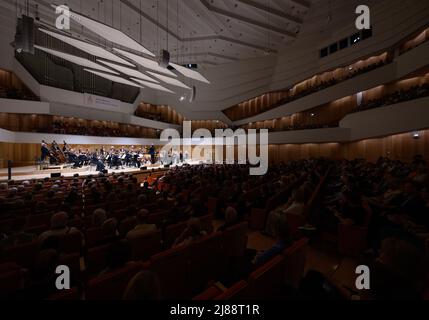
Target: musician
[
  {"x": 65, "y": 147},
  {"x": 45, "y": 151},
  {"x": 152, "y": 154}
]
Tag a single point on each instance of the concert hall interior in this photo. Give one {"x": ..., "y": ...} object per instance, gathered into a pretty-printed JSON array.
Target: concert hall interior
[{"x": 214, "y": 150}]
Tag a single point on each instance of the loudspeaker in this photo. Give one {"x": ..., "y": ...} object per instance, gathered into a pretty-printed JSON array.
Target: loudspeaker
[
  {"x": 143, "y": 168},
  {"x": 24, "y": 37},
  {"x": 56, "y": 175},
  {"x": 164, "y": 59},
  {"x": 193, "y": 94}
]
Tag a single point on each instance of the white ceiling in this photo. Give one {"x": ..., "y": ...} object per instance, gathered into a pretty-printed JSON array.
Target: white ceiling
[{"x": 207, "y": 32}]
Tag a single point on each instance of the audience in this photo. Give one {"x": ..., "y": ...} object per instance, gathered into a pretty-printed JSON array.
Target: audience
[
  {"x": 58, "y": 227},
  {"x": 142, "y": 228}
]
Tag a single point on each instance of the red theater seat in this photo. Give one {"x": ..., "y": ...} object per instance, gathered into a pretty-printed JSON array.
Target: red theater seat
[
  {"x": 172, "y": 269},
  {"x": 11, "y": 282},
  {"x": 93, "y": 236},
  {"x": 66, "y": 295},
  {"x": 206, "y": 262},
  {"x": 96, "y": 259},
  {"x": 207, "y": 223},
  {"x": 71, "y": 242},
  {"x": 39, "y": 220},
  {"x": 267, "y": 280},
  {"x": 234, "y": 240},
  {"x": 24, "y": 255},
  {"x": 173, "y": 232},
  {"x": 146, "y": 246},
  {"x": 295, "y": 221},
  {"x": 212, "y": 206},
  {"x": 208, "y": 294},
  {"x": 295, "y": 258},
  {"x": 112, "y": 286},
  {"x": 239, "y": 291}
]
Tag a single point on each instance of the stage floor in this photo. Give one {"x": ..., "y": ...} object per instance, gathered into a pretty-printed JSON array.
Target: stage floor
[{"x": 33, "y": 172}]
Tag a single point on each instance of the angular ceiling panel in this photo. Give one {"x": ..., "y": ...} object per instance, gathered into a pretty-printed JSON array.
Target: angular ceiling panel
[
  {"x": 87, "y": 47},
  {"x": 75, "y": 59}
]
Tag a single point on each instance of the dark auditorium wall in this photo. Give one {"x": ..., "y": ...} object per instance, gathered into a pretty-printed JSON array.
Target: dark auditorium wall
[{"x": 401, "y": 147}]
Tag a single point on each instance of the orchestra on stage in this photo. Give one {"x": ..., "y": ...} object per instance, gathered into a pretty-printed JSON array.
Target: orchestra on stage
[{"x": 113, "y": 158}]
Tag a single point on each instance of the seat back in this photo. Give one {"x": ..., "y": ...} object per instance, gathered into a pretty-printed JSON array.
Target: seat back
[
  {"x": 157, "y": 218},
  {"x": 172, "y": 232},
  {"x": 172, "y": 269},
  {"x": 71, "y": 242},
  {"x": 206, "y": 262},
  {"x": 234, "y": 240},
  {"x": 266, "y": 281},
  {"x": 39, "y": 220},
  {"x": 147, "y": 245},
  {"x": 295, "y": 221},
  {"x": 96, "y": 259},
  {"x": 212, "y": 206},
  {"x": 73, "y": 262},
  {"x": 66, "y": 295},
  {"x": 92, "y": 236},
  {"x": 112, "y": 286},
  {"x": 239, "y": 291},
  {"x": 126, "y": 225},
  {"x": 11, "y": 282},
  {"x": 207, "y": 223},
  {"x": 24, "y": 255},
  {"x": 295, "y": 257}
]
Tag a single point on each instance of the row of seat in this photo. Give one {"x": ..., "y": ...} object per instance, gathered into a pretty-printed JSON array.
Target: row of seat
[
  {"x": 182, "y": 271},
  {"x": 268, "y": 281}
]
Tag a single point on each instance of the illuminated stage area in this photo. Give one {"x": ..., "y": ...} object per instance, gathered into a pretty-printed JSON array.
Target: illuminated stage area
[{"x": 34, "y": 172}]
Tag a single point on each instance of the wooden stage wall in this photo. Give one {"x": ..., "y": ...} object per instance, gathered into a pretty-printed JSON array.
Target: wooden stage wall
[{"x": 401, "y": 147}]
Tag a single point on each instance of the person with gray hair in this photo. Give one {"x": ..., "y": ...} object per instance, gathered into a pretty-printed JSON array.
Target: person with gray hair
[
  {"x": 99, "y": 216},
  {"x": 58, "y": 227}
]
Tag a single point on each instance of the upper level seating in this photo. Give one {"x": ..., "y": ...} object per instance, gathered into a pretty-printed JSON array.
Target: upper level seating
[
  {"x": 13, "y": 88},
  {"x": 330, "y": 114},
  {"x": 159, "y": 113},
  {"x": 318, "y": 82},
  {"x": 72, "y": 126}
]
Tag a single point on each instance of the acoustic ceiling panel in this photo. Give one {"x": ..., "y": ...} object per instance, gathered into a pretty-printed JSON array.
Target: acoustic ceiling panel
[
  {"x": 109, "y": 33},
  {"x": 147, "y": 63},
  {"x": 128, "y": 71},
  {"x": 152, "y": 85},
  {"x": 88, "y": 47},
  {"x": 113, "y": 78},
  {"x": 190, "y": 73},
  {"x": 168, "y": 80},
  {"x": 74, "y": 59}
]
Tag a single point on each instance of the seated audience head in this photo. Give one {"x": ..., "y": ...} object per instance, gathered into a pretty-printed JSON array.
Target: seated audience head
[
  {"x": 142, "y": 216},
  {"x": 109, "y": 228},
  {"x": 59, "y": 220},
  {"x": 143, "y": 286},
  {"x": 99, "y": 217}
]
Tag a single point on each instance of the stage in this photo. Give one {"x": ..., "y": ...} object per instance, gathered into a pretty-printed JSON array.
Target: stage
[{"x": 34, "y": 172}]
